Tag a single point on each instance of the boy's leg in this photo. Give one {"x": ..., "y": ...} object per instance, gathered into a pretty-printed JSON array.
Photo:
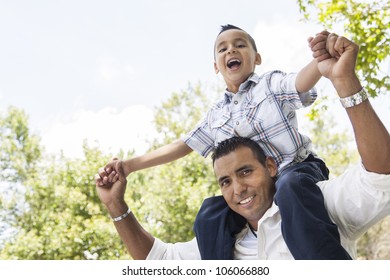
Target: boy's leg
[{"x": 306, "y": 227}]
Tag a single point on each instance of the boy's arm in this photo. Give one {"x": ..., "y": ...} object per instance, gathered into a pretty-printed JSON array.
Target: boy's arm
[
  {"x": 164, "y": 154},
  {"x": 309, "y": 75}
]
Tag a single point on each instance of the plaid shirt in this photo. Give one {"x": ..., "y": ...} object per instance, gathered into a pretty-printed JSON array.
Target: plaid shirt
[{"x": 264, "y": 110}]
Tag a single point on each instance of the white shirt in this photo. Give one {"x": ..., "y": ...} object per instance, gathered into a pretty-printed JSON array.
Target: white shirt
[{"x": 355, "y": 202}]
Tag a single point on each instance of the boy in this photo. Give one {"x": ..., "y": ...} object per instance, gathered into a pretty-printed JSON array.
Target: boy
[{"x": 262, "y": 108}]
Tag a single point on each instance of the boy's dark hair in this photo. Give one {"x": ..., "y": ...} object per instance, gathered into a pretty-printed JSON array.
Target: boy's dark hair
[
  {"x": 230, "y": 26},
  {"x": 230, "y": 145}
]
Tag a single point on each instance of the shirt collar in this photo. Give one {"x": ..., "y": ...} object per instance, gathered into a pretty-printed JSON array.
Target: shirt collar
[
  {"x": 244, "y": 87},
  {"x": 271, "y": 212}
]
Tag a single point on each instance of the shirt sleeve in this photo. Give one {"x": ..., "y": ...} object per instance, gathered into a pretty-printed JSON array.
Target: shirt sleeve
[
  {"x": 357, "y": 200},
  {"x": 174, "y": 251},
  {"x": 200, "y": 139},
  {"x": 283, "y": 86}
]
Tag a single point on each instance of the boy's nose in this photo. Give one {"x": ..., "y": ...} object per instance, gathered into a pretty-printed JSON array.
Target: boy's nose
[{"x": 232, "y": 50}]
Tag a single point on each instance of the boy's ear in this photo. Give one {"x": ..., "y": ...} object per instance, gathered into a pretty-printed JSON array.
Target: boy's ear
[
  {"x": 216, "y": 68},
  {"x": 258, "y": 59}
]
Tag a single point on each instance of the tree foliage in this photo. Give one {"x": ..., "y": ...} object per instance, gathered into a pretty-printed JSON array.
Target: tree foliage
[
  {"x": 368, "y": 24},
  {"x": 63, "y": 218},
  {"x": 20, "y": 153},
  {"x": 19, "y": 149},
  {"x": 49, "y": 207}
]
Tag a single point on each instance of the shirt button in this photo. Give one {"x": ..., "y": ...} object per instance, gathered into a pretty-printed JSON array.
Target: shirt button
[
  {"x": 235, "y": 102},
  {"x": 237, "y": 123}
]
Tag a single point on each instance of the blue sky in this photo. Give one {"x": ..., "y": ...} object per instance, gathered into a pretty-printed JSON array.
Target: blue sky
[{"x": 96, "y": 69}]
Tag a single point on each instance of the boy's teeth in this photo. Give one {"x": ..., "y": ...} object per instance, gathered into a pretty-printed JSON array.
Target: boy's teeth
[{"x": 233, "y": 62}]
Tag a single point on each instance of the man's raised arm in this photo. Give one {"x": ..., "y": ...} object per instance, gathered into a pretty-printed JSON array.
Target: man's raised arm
[
  {"x": 137, "y": 240},
  {"x": 337, "y": 61}
]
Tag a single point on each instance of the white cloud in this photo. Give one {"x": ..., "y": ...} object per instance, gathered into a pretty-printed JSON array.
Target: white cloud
[
  {"x": 110, "y": 129},
  {"x": 283, "y": 46}
]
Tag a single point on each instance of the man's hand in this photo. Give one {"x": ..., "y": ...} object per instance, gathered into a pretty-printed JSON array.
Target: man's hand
[
  {"x": 112, "y": 194},
  {"x": 107, "y": 174},
  {"x": 336, "y": 60}
]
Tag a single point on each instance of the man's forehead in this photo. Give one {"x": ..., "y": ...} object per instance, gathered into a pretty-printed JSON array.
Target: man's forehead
[{"x": 233, "y": 160}]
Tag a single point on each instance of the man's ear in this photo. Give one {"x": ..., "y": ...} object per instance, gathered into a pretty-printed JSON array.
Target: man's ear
[
  {"x": 271, "y": 166},
  {"x": 258, "y": 59},
  {"x": 216, "y": 68}
]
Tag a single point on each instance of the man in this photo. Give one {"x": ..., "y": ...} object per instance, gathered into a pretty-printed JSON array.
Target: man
[{"x": 355, "y": 201}]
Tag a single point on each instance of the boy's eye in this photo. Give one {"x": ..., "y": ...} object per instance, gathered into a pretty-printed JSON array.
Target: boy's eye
[
  {"x": 222, "y": 50},
  {"x": 241, "y": 46}
]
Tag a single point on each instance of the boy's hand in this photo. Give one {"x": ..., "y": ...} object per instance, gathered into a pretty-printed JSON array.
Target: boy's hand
[
  {"x": 107, "y": 175},
  {"x": 318, "y": 45}
]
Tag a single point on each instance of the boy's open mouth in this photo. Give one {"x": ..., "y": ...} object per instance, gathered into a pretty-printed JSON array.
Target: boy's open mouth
[{"x": 233, "y": 63}]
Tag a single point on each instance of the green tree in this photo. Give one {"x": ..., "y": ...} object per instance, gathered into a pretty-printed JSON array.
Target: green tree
[
  {"x": 49, "y": 207},
  {"x": 368, "y": 24},
  {"x": 63, "y": 217},
  {"x": 19, "y": 155},
  {"x": 19, "y": 149}
]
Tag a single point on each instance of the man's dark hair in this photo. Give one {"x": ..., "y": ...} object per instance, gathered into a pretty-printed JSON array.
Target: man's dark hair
[
  {"x": 230, "y": 26},
  {"x": 230, "y": 145}
]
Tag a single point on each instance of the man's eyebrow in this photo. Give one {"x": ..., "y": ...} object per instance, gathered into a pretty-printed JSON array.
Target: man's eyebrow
[
  {"x": 246, "y": 166},
  {"x": 221, "y": 179}
]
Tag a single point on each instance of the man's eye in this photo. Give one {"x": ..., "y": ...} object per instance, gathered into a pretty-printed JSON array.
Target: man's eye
[
  {"x": 246, "y": 172},
  {"x": 224, "y": 183}
]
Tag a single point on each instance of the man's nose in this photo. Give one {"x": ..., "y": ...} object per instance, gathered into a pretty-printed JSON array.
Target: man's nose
[{"x": 239, "y": 188}]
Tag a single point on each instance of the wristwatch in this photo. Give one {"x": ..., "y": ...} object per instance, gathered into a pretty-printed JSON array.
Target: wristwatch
[{"x": 355, "y": 99}]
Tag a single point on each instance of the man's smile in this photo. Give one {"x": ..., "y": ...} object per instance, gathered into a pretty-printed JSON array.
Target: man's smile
[{"x": 246, "y": 200}]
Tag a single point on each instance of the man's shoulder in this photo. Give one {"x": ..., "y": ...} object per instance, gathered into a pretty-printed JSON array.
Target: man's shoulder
[{"x": 357, "y": 176}]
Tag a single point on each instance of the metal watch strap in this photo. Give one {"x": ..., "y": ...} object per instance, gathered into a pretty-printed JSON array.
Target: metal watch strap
[
  {"x": 121, "y": 217},
  {"x": 355, "y": 99}
]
